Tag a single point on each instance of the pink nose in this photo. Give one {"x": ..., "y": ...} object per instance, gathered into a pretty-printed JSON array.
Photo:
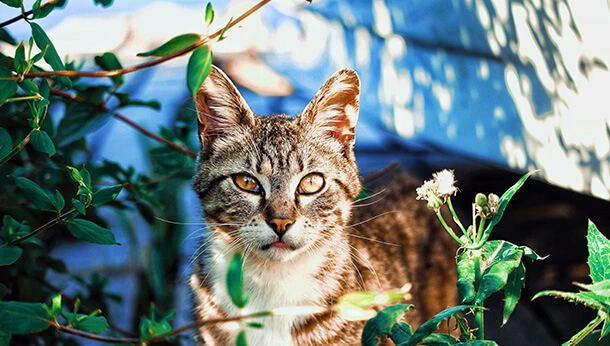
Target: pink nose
[{"x": 280, "y": 226}]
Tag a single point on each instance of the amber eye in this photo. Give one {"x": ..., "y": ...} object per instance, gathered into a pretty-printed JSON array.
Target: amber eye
[
  {"x": 311, "y": 183},
  {"x": 247, "y": 183}
]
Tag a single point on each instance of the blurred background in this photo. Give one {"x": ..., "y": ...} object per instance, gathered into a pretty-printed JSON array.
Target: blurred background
[{"x": 490, "y": 88}]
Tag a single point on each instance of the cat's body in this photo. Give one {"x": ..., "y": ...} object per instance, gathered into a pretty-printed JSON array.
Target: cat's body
[{"x": 280, "y": 191}]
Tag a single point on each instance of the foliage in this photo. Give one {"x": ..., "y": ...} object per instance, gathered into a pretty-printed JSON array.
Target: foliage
[{"x": 595, "y": 295}]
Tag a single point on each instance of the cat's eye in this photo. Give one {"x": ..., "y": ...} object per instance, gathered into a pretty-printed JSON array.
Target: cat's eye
[
  {"x": 247, "y": 183},
  {"x": 311, "y": 183}
]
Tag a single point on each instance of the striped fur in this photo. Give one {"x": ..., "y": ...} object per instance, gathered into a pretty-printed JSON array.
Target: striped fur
[{"x": 321, "y": 256}]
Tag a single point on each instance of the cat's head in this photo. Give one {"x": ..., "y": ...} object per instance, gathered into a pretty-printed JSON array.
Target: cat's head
[{"x": 277, "y": 186}]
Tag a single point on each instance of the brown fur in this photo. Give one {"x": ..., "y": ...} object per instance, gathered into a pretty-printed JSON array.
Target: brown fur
[{"x": 336, "y": 246}]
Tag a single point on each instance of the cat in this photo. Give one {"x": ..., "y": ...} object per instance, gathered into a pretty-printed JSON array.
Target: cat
[{"x": 280, "y": 190}]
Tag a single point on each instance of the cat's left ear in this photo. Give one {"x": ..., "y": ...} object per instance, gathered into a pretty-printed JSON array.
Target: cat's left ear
[{"x": 335, "y": 107}]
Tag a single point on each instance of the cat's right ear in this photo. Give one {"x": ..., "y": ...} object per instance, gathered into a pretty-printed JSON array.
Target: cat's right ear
[{"x": 220, "y": 108}]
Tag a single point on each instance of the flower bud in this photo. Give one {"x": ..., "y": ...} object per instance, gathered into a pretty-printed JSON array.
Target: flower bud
[{"x": 480, "y": 200}]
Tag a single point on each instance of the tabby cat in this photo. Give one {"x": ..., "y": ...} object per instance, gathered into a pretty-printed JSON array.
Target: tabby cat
[{"x": 280, "y": 191}]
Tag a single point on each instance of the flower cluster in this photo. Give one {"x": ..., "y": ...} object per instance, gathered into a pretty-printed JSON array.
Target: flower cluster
[
  {"x": 486, "y": 207},
  {"x": 437, "y": 190}
]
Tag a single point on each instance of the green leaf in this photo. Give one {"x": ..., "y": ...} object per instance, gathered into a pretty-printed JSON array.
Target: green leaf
[
  {"x": 8, "y": 88},
  {"x": 439, "y": 339},
  {"x": 4, "y": 291},
  {"x": 109, "y": 62},
  {"x": 80, "y": 120},
  {"x": 6, "y": 37},
  {"x": 150, "y": 327},
  {"x": 209, "y": 14},
  {"x": 588, "y": 299},
  {"x": 599, "y": 254},
  {"x": 19, "y": 60},
  {"x": 224, "y": 30},
  {"x": 41, "y": 12},
  {"x": 465, "y": 282},
  {"x": 401, "y": 332},
  {"x": 12, "y": 3},
  {"x": 51, "y": 57},
  {"x": 428, "y": 327},
  {"x": 235, "y": 282},
  {"x": 255, "y": 325},
  {"x": 105, "y": 195},
  {"x": 512, "y": 291},
  {"x": 9, "y": 254},
  {"x": 503, "y": 203},
  {"x": 241, "y": 339},
  {"x": 126, "y": 100},
  {"x": 42, "y": 142},
  {"x": 601, "y": 288},
  {"x": 382, "y": 324},
  {"x": 88, "y": 323},
  {"x": 6, "y": 143},
  {"x": 12, "y": 229},
  {"x": 90, "y": 232},
  {"x": 506, "y": 258},
  {"x": 23, "y": 318},
  {"x": 103, "y": 3},
  {"x": 29, "y": 87},
  {"x": 198, "y": 68},
  {"x": 36, "y": 194},
  {"x": 5, "y": 338},
  {"x": 80, "y": 207},
  {"x": 477, "y": 343},
  {"x": 174, "y": 45}
]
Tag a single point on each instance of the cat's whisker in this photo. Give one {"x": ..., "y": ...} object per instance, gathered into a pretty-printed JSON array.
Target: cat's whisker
[
  {"x": 380, "y": 194},
  {"x": 372, "y": 218},
  {"x": 368, "y": 264},
  {"x": 178, "y": 222},
  {"x": 372, "y": 240}
]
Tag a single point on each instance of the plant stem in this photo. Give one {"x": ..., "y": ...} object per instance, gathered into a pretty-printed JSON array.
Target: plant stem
[
  {"x": 24, "y": 15},
  {"x": 455, "y": 217},
  {"x": 582, "y": 334},
  {"x": 449, "y": 230},
  {"x": 16, "y": 149},
  {"x": 44, "y": 227},
  {"x": 479, "y": 322},
  {"x": 480, "y": 231}
]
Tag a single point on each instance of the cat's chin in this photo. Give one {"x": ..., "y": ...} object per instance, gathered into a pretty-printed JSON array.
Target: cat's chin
[{"x": 279, "y": 251}]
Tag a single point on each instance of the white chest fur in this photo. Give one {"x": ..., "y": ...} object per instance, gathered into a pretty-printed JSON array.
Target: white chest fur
[{"x": 272, "y": 285}]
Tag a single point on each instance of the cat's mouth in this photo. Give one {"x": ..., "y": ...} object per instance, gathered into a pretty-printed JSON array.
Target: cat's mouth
[{"x": 280, "y": 245}]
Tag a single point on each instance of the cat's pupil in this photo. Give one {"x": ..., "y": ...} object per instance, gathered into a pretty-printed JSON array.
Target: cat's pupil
[{"x": 312, "y": 183}]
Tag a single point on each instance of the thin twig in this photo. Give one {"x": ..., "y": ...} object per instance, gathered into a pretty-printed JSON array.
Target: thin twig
[
  {"x": 44, "y": 227},
  {"x": 129, "y": 122},
  {"x": 98, "y": 74},
  {"x": 24, "y": 15}
]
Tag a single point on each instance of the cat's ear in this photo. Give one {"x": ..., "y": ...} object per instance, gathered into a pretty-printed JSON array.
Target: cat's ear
[
  {"x": 220, "y": 107},
  {"x": 334, "y": 109}
]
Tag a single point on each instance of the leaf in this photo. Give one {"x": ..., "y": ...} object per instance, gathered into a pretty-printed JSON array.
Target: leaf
[
  {"x": 241, "y": 339},
  {"x": 150, "y": 327},
  {"x": 41, "y": 12},
  {"x": 477, "y": 343},
  {"x": 439, "y": 339},
  {"x": 465, "y": 282},
  {"x": 428, "y": 327},
  {"x": 235, "y": 282},
  {"x": 503, "y": 203},
  {"x": 88, "y": 323},
  {"x": 105, "y": 195},
  {"x": 401, "y": 332},
  {"x": 512, "y": 291},
  {"x": 6, "y": 143},
  {"x": 198, "y": 68},
  {"x": 90, "y": 232},
  {"x": 23, "y": 318},
  {"x": 42, "y": 142},
  {"x": 382, "y": 324},
  {"x": 601, "y": 288},
  {"x": 126, "y": 100},
  {"x": 506, "y": 258},
  {"x": 19, "y": 60},
  {"x": 599, "y": 254},
  {"x": 103, "y": 3},
  {"x": 109, "y": 62},
  {"x": 51, "y": 57},
  {"x": 5, "y": 338},
  {"x": 209, "y": 14},
  {"x": 9, "y": 254},
  {"x": 29, "y": 87},
  {"x": 172, "y": 46},
  {"x": 224, "y": 30},
  {"x": 6, "y": 37},
  {"x": 12, "y": 3},
  {"x": 8, "y": 88},
  {"x": 79, "y": 121},
  {"x": 37, "y": 195},
  {"x": 588, "y": 299}
]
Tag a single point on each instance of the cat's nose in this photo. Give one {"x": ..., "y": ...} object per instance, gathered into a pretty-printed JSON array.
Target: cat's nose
[{"x": 280, "y": 225}]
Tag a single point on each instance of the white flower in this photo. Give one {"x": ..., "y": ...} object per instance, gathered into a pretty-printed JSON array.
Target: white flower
[{"x": 445, "y": 181}]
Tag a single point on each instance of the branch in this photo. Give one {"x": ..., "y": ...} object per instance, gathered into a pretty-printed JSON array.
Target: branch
[
  {"x": 98, "y": 74},
  {"x": 44, "y": 227},
  {"x": 129, "y": 122},
  {"x": 24, "y": 15}
]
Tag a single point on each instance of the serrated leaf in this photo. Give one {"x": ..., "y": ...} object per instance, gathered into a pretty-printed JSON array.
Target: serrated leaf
[
  {"x": 172, "y": 46},
  {"x": 37, "y": 195},
  {"x": 439, "y": 339},
  {"x": 235, "y": 282},
  {"x": 198, "y": 68},
  {"x": 90, "y": 232},
  {"x": 588, "y": 299},
  {"x": 8, "y": 88},
  {"x": 241, "y": 339},
  {"x": 9, "y": 254},
  {"x": 601, "y": 288},
  {"x": 599, "y": 254},
  {"x": 108, "y": 62},
  {"x": 93, "y": 324},
  {"x": 512, "y": 291},
  {"x": 23, "y": 318},
  {"x": 51, "y": 57},
  {"x": 382, "y": 324},
  {"x": 503, "y": 203},
  {"x": 209, "y": 14},
  {"x": 428, "y": 327},
  {"x": 507, "y": 259},
  {"x": 105, "y": 195},
  {"x": 465, "y": 282},
  {"x": 41, "y": 141},
  {"x": 12, "y": 3},
  {"x": 6, "y": 143}
]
